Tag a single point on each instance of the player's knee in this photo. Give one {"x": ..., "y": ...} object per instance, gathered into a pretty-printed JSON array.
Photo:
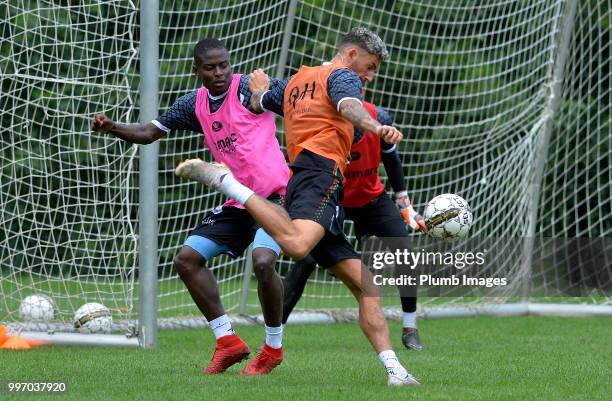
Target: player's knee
[
  {"x": 297, "y": 253},
  {"x": 370, "y": 309},
  {"x": 185, "y": 264},
  {"x": 264, "y": 264},
  {"x": 293, "y": 245},
  {"x": 297, "y": 250}
]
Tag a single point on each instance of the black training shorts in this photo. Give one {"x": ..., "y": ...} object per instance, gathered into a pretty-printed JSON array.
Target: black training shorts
[
  {"x": 314, "y": 192},
  {"x": 380, "y": 217}
]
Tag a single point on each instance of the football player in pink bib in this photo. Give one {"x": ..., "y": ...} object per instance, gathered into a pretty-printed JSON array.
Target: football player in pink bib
[{"x": 239, "y": 137}]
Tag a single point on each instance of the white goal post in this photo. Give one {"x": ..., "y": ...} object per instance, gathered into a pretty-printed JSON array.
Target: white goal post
[{"x": 506, "y": 103}]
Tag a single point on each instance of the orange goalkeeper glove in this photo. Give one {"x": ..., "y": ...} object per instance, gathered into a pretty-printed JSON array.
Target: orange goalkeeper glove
[{"x": 412, "y": 218}]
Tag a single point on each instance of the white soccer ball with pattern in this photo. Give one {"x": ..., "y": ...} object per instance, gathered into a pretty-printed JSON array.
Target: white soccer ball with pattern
[
  {"x": 36, "y": 308},
  {"x": 448, "y": 216},
  {"x": 93, "y": 318}
]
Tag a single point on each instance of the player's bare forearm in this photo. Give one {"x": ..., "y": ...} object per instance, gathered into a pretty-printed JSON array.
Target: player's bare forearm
[
  {"x": 256, "y": 101},
  {"x": 353, "y": 111},
  {"x": 142, "y": 134},
  {"x": 259, "y": 83}
]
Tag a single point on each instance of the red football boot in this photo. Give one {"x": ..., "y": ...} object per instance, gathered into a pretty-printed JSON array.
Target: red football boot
[
  {"x": 266, "y": 360},
  {"x": 229, "y": 350}
]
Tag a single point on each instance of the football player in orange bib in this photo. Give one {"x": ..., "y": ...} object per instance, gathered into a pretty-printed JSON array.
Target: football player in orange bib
[{"x": 373, "y": 213}]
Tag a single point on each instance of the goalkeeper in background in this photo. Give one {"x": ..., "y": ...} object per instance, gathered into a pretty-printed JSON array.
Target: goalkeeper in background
[{"x": 372, "y": 211}]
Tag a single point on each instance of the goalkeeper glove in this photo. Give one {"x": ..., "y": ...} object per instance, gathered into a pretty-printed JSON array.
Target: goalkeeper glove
[{"x": 412, "y": 218}]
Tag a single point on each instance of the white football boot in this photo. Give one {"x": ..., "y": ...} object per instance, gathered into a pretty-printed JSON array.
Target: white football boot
[
  {"x": 210, "y": 174},
  {"x": 401, "y": 379}
]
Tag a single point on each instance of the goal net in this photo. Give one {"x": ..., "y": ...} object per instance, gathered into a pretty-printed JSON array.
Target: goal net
[{"x": 506, "y": 103}]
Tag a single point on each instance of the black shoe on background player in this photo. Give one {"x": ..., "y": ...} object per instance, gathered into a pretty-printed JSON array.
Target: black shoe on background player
[{"x": 411, "y": 340}]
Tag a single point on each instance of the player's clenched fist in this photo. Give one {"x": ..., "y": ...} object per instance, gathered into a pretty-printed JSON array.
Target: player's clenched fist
[
  {"x": 259, "y": 81},
  {"x": 102, "y": 123},
  {"x": 389, "y": 134}
]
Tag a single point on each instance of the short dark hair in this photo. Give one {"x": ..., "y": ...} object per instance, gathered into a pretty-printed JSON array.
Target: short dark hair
[
  {"x": 205, "y": 45},
  {"x": 367, "y": 40}
]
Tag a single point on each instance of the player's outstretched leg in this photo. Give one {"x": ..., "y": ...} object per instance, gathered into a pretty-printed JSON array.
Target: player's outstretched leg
[
  {"x": 202, "y": 286},
  {"x": 372, "y": 319},
  {"x": 297, "y": 237}
]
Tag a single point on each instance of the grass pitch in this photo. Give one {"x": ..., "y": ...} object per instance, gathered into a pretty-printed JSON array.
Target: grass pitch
[{"x": 523, "y": 358}]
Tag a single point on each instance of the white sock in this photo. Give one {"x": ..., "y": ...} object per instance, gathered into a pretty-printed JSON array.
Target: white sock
[
  {"x": 410, "y": 319},
  {"x": 234, "y": 189},
  {"x": 221, "y": 326},
  {"x": 392, "y": 364},
  {"x": 274, "y": 336}
]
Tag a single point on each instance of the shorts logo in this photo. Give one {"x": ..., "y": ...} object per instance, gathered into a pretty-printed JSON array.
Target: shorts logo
[
  {"x": 334, "y": 217},
  {"x": 216, "y": 126},
  {"x": 209, "y": 221},
  {"x": 217, "y": 209}
]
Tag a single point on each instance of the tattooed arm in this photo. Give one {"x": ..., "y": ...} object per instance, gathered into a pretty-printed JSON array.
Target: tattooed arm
[
  {"x": 352, "y": 110},
  {"x": 344, "y": 89}
]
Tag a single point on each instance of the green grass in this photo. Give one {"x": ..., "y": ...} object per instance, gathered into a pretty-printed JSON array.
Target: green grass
[{"x": 523, "y": 358}]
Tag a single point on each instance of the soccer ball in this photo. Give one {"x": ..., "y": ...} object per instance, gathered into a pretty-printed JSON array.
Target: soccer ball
[
  {"x": 93, "y": 318},
  {"x": 37, "y": 308},
  {"x": 448, "y": 216}
]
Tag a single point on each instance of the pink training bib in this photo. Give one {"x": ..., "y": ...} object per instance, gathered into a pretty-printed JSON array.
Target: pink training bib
[{"x": 245, "y": 142}]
